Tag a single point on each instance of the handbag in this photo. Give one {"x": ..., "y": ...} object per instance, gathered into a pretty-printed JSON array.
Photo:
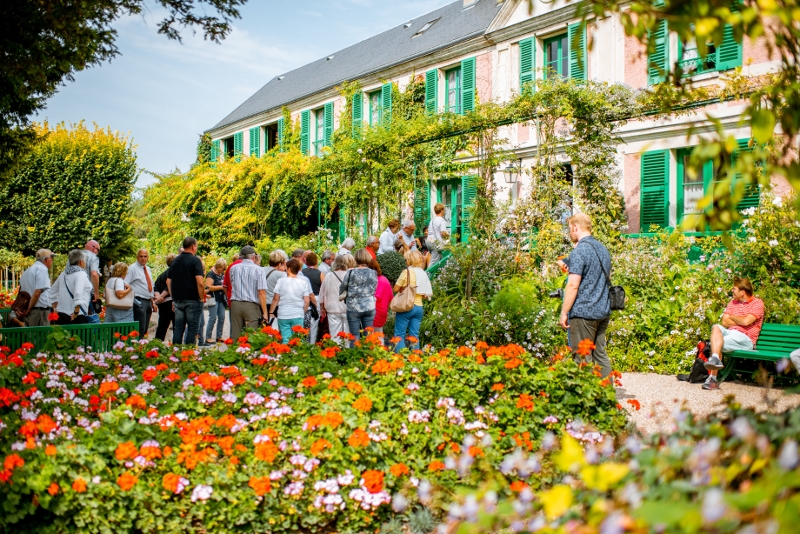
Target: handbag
[
  {"x": 20, "y": 306},
  {"x": 404, "y": 300},
  {"x": 342, "y": 294},
  {"x": 616, "y": 294},
  {"x": 114, "y": 302}
]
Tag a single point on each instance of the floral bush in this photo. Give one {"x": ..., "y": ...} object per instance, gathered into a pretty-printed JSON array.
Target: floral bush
[{"x": 273, "y": 437}]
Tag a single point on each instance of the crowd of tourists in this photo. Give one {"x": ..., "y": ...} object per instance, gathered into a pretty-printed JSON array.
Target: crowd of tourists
[{"x": 342, "y": 294}]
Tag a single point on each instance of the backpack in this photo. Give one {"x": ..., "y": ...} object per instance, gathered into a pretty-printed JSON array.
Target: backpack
[{"x": 698, "y": 373}]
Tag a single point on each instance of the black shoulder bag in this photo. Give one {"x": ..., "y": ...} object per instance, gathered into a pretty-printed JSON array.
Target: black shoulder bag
[{"x": 616, "y": 294}]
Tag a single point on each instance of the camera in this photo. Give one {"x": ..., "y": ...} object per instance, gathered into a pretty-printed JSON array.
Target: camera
[{"x": 557, "y": 294}]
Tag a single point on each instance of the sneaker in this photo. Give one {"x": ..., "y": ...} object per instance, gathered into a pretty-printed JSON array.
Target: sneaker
[
  {"x": 713, "y": 363},
  {"x": 710, "y": 383}
]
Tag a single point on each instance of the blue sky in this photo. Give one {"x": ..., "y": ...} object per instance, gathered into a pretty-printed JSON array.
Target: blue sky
[{"x": 164, "y": 94}]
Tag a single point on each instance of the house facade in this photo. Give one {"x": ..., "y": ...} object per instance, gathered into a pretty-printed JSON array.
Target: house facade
[{"x": 486, "y": 50}]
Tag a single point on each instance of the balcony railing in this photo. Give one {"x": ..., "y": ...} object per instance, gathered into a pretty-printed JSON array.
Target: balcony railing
[{"x": 697, "y": 65}]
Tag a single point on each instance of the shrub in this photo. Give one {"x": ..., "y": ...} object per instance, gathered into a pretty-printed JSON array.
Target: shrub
[{"x": 392, "y": 265}]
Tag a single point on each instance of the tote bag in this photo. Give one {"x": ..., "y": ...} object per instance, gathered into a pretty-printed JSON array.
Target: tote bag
[
  {"x": 114, "y": 302},
  {"x": 404, "y": 300}
]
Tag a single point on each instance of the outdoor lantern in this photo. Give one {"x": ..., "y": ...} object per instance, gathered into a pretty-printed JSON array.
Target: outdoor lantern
[{"x": 511, "y": 173}]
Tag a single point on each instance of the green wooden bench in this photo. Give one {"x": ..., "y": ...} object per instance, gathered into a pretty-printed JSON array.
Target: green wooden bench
[
  {"x": 775, "y": 342},
  {"x": 100, "y": 337}
]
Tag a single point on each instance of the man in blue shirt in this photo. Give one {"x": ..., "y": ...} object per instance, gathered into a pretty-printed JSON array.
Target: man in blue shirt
[{"x": 587, "y": 308}]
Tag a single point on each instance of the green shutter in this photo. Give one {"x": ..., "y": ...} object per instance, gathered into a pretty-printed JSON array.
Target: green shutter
[
  {"x": 578, "y": 60},
  {"x": 422, "y": 205},
  {"x": 255, "y": 141},
  {"x": 238, "y": 144},
  {"x": 654, "y": 205},
  {"x": 469, "y": 192},
  {"x": 752, "y": 194},
  {"x": 658, "y": 61},
  {"x": 527, "y": 62},
  {"x": 358, "y": 114},
  {"x": 432, "y": 91},
  {"x": 467, "y": 85},
  {"x": 280, "y": 134},
  {"x": 305, "y": 127},
  {"x": 328, "y": 140},
  {"x": 214, "y": 151},
  {"x": 386, "y": 103},
  {"x": 729, "y": 53},
  {"x": 342, "y": 224}
]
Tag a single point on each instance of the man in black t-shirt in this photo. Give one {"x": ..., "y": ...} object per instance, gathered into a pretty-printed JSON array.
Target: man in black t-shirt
[{"x": 186, "y": 285}]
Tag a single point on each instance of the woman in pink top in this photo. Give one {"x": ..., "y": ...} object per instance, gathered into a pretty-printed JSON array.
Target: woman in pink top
[{"x": 383, "y": 296}]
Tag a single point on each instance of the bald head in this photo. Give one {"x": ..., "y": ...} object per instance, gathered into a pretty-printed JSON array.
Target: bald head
[
  {"x": 142, "y": 257},
  {"x": 92, "y": 246}
]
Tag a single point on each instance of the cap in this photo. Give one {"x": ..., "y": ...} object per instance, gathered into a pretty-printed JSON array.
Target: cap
[
  {"x": 247, "y": 250},
  {"x": 43, "y": 253}
]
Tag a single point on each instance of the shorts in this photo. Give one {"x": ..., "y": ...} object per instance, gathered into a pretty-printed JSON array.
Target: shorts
[{"x": 734, "y": 340}]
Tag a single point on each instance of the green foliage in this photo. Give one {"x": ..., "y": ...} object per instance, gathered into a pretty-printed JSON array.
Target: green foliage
[
  {"x": 59, "y": 341},
  {"x": 75, "y": 185},
  {"x": 392, "y": 265}
]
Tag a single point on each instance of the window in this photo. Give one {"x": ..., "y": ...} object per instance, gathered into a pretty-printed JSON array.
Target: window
[
  {"x": 319, "y": 128},
  {"x": 375, "y": 108},
  {"x": 452, "y": 100},
  {"x": 556, "y": 59},
  {"x": 271, "y": 131},
  {"x": 725, "y": 57},
  {"x": 691, "y": 188},
  {"x": 227, "y": 148}
]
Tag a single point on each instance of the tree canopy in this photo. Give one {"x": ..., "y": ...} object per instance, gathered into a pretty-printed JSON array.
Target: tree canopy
[{"x": 45, "y": 42}]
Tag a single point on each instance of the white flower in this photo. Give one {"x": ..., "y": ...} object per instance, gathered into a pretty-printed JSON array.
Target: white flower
[
  {"x": 751, "y": 239},
  {"x": 201, "y": 493},
  {"x": 773, "y": 242}
]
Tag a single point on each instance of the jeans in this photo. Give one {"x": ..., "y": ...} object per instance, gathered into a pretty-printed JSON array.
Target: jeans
[
  {"x": 142, "y": 313},
  {"x": 410, "y": 321},
  {"x": 187, "y": 321},
  {"x": 285, "y": 326},
  {"x": 216, "y": 315},
  {"x": 358, "y": 321}
]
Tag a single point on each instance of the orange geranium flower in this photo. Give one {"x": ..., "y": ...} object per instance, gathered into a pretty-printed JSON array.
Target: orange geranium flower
[
  {"x": 126, "y": 451},
  {"x": 635, "y": 403},
  {"x": 358, "y": 438},
  {"x": 50, "y": 450},
  {"x": 435, "y": 465},
  {"x": 309, "y": 382},
  {"x": 332, "y": 419},
  {"x": 524, "y": 440},
  {"x": 261, "y": 485},
  {"x": 210, "y": 382},
  {"x": 13, "y": 461},
  {"x": 513, "y": 363},
  {"x": 464, "y": 351},
  {"x": 518, "y": 485},
  {"x": 136, "y": 402},
  {"x": 498, "y": 387},
  {"x": 266, "y": 451},
  {"x": 525, "y": 402},
  {"x": 108, "y": 387},
  {"x": 126, "y": 481},
  {"x": 170, "y": 482},
  {"x": 329, "y": 353},
  {"x": 373, "y": 481},
  {"x": 45, "y": 424},
  {"x": 475, "y": 451},
  {"x": 79, "y": 485},
  {"x": 381, "y": 367},
  {"x": 363, "y": 404},
  {"x": 399, "y": 470},
  {"x": 336, "y": 384},
  {"x": 354, "y": 388},
  {"x": 585, "y": 347},
  {"x": 149, "y": 375},
  {"x": 434, "y": 373},
  {"x": 150, "y": 452},
  {"x": 481, "y": 345},
  {"x": 320, "y": 445},
  {"x": 54, "y": 488}
]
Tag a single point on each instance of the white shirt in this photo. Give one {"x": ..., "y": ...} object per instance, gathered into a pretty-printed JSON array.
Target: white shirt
[
  {"x": 247, "y": 279},
  {"x": 37, "y": 277},
  {"x": 136, "y": 279},
  {"x": 410, "y": 241},
  {"x": 292, "y": 291},
  {"x": 438, "y": 225},
  {"x": 324, "y": 267},
  {"x": 92, "y": 263},
  {"x": 387, "y": 241},
  {"x": 272, "y": 280},
  {"x": 343, "y": 252},
  {"x": 81, "y": 288}
]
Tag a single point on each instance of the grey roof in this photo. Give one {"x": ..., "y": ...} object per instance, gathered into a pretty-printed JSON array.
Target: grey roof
[{"x": 371, "y": 55}]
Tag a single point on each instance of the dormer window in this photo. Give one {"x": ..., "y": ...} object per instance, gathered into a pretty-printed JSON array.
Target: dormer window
[{"x": 425, "y": 28}]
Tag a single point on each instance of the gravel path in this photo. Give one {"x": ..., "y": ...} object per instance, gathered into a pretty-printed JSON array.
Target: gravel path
[{"x": 660, "y": 395}]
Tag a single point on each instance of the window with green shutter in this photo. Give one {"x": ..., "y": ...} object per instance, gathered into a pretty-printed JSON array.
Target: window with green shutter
[
  {"x": 752, "y": 194},
  {"x": 374, "y": 108},
  {"x": 386, "y": 103},
  {"x": 255, "y": 141},
  {"x": 725, "y": 57},
  {"x": 654, "y": 195},
  {"x": 527, "y": 64},
  {"x": 578, "y": 60},
  {"x": 328, "y": 135},
  {"x": 305, "y": 133},
  {"x": 358, "y": 113},
  {"x": 690, "y": 189},
  {"x": 422, "y": 205},
  {"x": 452, "y": 91},
  {"x": 658, "y": 61},
  {"x": 238, "y": 144},
  {"x": 467, "y": 85},
  {"x": 319, "y": 130},
  {"x": 556, "y": 58},
  {"x": 214, "y": 156},
  {"x": 432, "y": 91},
  {"x": 469, "y": 188}
]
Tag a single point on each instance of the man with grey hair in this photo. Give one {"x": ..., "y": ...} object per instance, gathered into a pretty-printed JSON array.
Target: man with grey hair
[
  {"x": 248, "y": 293},
  {"x": 140, "y": 278},
  {"x": 274, "y": 272},
  {"x": 347, "y": 246},
  {"x": 92, "y": 268},
  {"x": 35, "y": 281},
  {"x": 327, "y": 260},
  {"x": 407, "y": 235},
  {"x": 373, "y": 244},
  {"x": 300, "y": 255},
  {"x": 72, "y": 292}
]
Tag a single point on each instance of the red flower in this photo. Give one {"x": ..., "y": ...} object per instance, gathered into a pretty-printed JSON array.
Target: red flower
[
  {"x": 635, "y": 403},
  {"x": 149, "y": 375},
  {"x": 52, "y": 317},
  {"x": 27, "y": 346},
  {"x": 373, "y": 481},
  {"x": 309, "y": 382}
]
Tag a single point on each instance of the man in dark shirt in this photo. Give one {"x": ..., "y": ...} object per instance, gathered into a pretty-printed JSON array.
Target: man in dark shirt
[
  {"x": 586, "y": 309},
  {"x": 186, "y": 285}
]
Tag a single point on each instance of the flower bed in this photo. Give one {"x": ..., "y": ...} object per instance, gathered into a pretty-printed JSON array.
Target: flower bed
[{"x": 265, "y": 436}]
